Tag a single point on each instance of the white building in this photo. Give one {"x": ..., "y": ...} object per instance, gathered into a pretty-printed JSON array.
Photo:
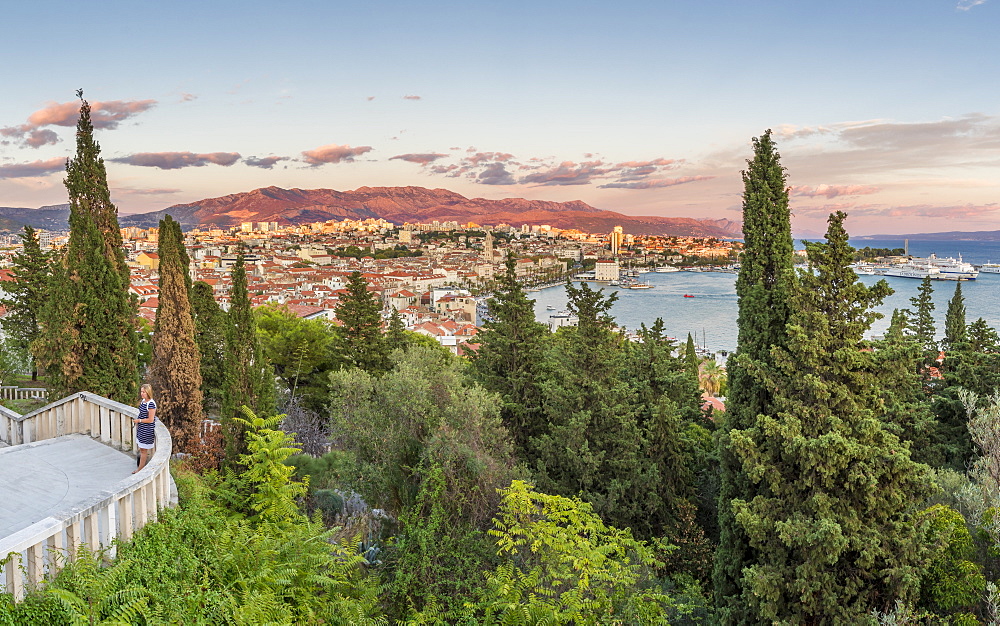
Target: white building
[{"x": 606, "y": 270}]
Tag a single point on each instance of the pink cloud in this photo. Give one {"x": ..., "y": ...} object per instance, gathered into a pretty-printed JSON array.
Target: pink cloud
[
  {"x": 661, "y": 162},
  {"x": 33, "y": 169},
  {"x": 832, "y": 191},
  {"x": 568, "y": 173},
  {"x": 480, "y": 158},
  {"x": 421, "y": 158},
  {"x": 655, "y": 183},
  {"x": 125, "y": 191},
  {"x": 103, "y": 114},
  {"x": 178, "y": 160},
  {"x": 411, "y": 98},
  {"x": 333, "y": 153}
]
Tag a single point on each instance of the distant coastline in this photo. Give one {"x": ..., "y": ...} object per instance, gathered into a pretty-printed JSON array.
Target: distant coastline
[{"x": 976, "y": 235}]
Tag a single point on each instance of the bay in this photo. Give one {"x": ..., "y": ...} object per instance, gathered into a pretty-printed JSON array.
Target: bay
[{"x": 710, "y": 316}]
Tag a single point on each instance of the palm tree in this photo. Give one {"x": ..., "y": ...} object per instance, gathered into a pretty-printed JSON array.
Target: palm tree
[{"x": 711, "y": 376}]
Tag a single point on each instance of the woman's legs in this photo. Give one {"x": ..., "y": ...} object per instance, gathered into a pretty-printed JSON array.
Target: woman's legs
[{"x": 143, "y": 458}]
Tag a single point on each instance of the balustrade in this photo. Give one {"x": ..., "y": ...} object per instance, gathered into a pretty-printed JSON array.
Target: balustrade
[{"x": 42, "y": 549}]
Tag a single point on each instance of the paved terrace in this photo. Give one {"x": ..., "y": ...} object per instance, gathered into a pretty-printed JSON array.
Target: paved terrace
[
  {"x": 66, "y": 481},
  {"x": 41, "y": 479}
]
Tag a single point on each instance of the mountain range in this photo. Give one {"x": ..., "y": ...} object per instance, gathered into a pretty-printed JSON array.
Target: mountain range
[{"x": 394, "y": 204}]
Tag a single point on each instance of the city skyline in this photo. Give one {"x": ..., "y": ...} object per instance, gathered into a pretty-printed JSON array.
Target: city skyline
[{"x": 642, "y": 108}]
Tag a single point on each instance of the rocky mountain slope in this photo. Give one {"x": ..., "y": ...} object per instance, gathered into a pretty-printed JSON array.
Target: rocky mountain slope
[{"x": 397, "y": 205}]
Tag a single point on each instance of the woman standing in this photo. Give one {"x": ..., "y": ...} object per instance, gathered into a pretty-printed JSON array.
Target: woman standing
[{"x": 145, "y": 425}]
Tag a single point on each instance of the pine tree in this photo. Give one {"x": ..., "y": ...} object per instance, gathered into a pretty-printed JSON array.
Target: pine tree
[
  {"x": 249, "y": 379},
  {"x": 88, "y": 340},
  {"x": 176, "y": 367},
  {"x": 210, "y": 334},
  {"x": 763, "y": 288},
  {"x": 27, "y": 294},
  {"x": 361, "y": 318},
  {"x": 509, "y": 358},
  {"x": 831, "y": 523},
  {"x": 954, "y": 321}
]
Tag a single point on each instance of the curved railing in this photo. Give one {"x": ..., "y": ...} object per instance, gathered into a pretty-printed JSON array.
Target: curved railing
[{"x": 29, "y": 554}]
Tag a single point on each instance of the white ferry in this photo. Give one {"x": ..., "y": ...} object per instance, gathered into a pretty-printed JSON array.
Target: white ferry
[
  {"x": 913, "y": 270},
  {"x": 666, "y": 268},
  {"x": 990, "y": 268},
  {"x": 952, "y": 268},
  {"x": 640, "y": 286}
]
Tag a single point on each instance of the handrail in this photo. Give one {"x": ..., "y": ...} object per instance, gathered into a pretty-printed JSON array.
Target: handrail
[
  {"x": 117, "y": 512},
  {"x": 82, "y": 412}
]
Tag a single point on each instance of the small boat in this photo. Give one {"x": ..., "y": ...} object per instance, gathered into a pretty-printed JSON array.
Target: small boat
[
  {"x": 550, "y": 308},
  {"x": 687, "y": 295},
  {"x": 640, "y": 286}
]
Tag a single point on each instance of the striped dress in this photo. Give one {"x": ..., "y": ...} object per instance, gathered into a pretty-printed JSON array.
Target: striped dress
[{"x": 145, "y": 433}]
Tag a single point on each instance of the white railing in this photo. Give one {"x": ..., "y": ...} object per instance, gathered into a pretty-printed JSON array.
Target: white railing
[
  {"x": 43, "y": 548},
  {"x": 23, "y": 393}
]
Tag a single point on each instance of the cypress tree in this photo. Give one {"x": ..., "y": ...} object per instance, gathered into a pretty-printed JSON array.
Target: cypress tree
[
  {"x": 88, "y": 340},
  {"x": 763, "y": 288},
  {"x": 954, "y": 321},
  {"x": 210, "y": 334},
  {"x": 691, "y": 360},
  {"x": 395, "y": 334},
  {"x": 361, "y": 318},
  {"x": 982, "y": 337},
  {"x": 27, "y": 294},
  {"x": 509, "y": 358},
  {"x": 923, "y": 318},
  {"x": 906, "y": 409},
  {"x": 591, "y": 444},
  {"x": 832, "y": 524},
  {"x": 176, "y": 367},
  {"x": 249, "y": 379}
]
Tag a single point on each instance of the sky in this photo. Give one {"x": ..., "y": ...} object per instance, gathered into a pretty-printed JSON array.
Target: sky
[{"x": 888, "y": 111}]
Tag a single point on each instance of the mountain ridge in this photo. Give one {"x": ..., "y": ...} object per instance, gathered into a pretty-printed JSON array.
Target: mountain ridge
[{"x": 398, "y": 205}]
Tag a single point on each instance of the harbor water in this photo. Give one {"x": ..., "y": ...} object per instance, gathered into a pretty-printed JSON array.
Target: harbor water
[{"x": 710, "y": 316}]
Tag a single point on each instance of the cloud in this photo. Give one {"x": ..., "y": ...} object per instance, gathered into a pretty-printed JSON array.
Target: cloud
[
  {"x": 939, "y": 212},
  {"x": 832, "y": 191},
  {"x": 178, "y": 160},
  {"x": 421, "y": 158},
  {"x": 333, "y": 153},
  {"x": 41, "y": 137},
  {"x": 188, "y": 97},
  {"x": 495, "y": 174},
  {"x": 480, "y": 158},
  {"x": 106, "y": 115},
  {"x": 567, "y": 173},
  {"x": 33, "y": 169},
  {"x": 265, "y": 163},
  {"x": 102, "y": 114},
  {"x": 126, "y": 191},
  {"x": 411, "y": 98},
  {"x": 370, "y": 98},
  {"x": 655, "y": 183},
  {"x": 965, "y": 5}
]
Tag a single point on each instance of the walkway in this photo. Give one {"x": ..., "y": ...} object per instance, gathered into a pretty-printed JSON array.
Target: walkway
[{"x": 44, "y": 478}]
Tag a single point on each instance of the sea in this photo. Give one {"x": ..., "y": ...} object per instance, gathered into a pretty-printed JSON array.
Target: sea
[{"x": 710, "y": 316}]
